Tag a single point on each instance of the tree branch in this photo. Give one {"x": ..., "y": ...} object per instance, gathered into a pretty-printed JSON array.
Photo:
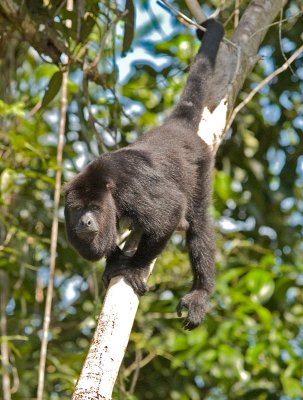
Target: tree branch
[
  {"x": 278, "y": 71},
  {"x": 42, "y": 36},
  {"x": 233, "y": 66},
  {"x": 6, "y": 386},
  {"x": 54, "y": 230},
  {"x": 196, "y": 10}
]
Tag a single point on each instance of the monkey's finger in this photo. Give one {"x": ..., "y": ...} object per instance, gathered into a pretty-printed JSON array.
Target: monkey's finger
[
  {"x": 189, "y": 325},
  {"x": 139, "y": 286},
  {"x": 105, "y": 280},
  {"x": 181, "y": 305}
]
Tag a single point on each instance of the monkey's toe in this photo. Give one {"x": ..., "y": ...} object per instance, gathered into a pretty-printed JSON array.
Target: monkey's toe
[
  {"x": 134, "y": 279},
  {"x": 131, "y": 275},
  {"x": 195, "y": 302}
]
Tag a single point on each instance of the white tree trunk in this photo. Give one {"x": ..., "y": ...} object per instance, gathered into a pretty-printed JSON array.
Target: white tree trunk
[
  {"x": 111, "y": 336},
  {"x": 109, "y": 342}
]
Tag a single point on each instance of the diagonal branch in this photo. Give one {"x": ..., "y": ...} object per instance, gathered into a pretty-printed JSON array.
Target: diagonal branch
[
  {"x": 278, "y": 71},
  {"x": 195, "y": 10}
]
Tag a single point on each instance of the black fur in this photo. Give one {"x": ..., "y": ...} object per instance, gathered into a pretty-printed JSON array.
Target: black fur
[{"x": 161, "y": 182}]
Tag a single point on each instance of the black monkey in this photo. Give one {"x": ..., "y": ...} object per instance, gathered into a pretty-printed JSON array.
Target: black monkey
[{"x": 161, "y": 182}]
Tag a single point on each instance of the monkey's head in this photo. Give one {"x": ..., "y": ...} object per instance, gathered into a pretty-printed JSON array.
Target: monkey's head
[{"x": 90, "y": 212}]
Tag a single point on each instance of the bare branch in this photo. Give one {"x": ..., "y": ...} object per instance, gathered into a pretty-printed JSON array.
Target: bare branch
[
  {"x": 236, "y": 13},
  {"x": 278, "y": 23},
  {"x": 195, "y": 10},
  {"x": 54, "y": 231},
  {"x": 189, "y": 22},
  {"x": 182, "y": 17},
  {"x": 6, "y": 386},
  {"x": 278, "y": 71},
  {"x": 280, "y": 38}
]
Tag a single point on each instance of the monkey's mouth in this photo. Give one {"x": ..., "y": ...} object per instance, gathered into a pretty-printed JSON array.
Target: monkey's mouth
[
  {"x": 89, "y": 245},
  {"x": 88, "y": 235},
  {"x": 90, "y": 250}
]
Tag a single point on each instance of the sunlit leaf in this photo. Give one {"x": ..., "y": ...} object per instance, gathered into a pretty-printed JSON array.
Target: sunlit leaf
[
  {"x": 292, "y": 387},
  {"x": 261, "y": 284}
]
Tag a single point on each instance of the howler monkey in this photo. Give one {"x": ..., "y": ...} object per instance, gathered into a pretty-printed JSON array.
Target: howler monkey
[{"x": 161, "y": 182}]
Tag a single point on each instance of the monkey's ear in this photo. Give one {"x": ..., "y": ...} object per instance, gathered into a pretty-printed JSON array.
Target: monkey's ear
[
  {"x": 110, "y": 184},
  {"x": 66, "y": 187}
]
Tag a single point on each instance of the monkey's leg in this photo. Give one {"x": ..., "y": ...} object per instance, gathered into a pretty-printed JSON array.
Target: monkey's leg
[
  {"x": 201, "y": 245},
  {"x": 135, "y": 269}
]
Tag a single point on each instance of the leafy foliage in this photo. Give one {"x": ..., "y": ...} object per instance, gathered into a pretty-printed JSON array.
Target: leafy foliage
[{"x": 250, "y": 345}]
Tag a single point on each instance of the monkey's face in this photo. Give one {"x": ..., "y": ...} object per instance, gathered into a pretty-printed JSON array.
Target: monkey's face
[{"x": 90, "y": 218}]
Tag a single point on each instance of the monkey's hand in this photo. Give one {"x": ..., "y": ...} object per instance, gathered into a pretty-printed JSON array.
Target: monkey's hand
[
  {"x": 195, "y": 302},
  {"x": 120, "y": 264}
]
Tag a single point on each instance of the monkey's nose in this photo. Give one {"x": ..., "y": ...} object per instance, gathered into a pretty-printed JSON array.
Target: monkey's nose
[
  {"x": 86, "y": 222},
  {"x": 87, "y": 227}
]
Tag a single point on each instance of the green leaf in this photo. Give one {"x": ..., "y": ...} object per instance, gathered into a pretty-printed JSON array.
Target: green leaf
[
  {"x": 16, "y": 109},
  {"x": 53, "y": 88},
  {"x": 231, "y": 361},
  {"x": 45, "y": 71},
  {"x": 129, "y": 26},
  {"x": 222, "y": 185},
  {"x": 261, "y": 285},
  {"x": 292, "y": 387},
  {"x": 72, "y": 87},
  {"x": 254, "y": 352},
  {"x": 87, "y": 27}
]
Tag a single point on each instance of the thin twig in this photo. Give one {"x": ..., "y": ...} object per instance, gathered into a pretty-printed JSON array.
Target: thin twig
[
  {"x": 142, "y": 362},
  {"x": 182, "y": 17},
  {"x": 276, "y": 23},
  {"x": 196, "y": 11},
  {"x": 114, "y": 89},
  {"x": 278, "y": 71},
  {"x": 109, "y": 28},
  {"x": 187, "y": 21},
  {"x": 91, "y": 119},
  {"x": 236, "y": 13},
  {"x": 280, "y": 39},
  {"x": 137, "y": 371},
  {"x": 6, "y": 385},
  {"x": 54, "y": 231}
]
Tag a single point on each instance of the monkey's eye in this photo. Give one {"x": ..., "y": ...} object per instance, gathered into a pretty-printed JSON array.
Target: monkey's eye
[
  {"x": 77, "y": 208},
  {"x": 94, "y": 207}
]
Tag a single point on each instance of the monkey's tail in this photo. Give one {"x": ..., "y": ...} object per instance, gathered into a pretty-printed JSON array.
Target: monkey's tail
[{"x": 194, "y": 96}]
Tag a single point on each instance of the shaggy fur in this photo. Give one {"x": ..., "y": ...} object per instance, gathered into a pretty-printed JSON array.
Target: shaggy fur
[{"x": 161, "y": 182}]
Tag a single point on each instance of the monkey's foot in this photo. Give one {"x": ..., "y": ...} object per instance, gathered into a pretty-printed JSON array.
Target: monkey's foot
[
  {"x": 195, "y": 302},
  {"x": 134, "y": 276}
]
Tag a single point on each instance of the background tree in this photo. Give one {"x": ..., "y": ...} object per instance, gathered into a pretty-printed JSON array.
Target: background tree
[{"x": 250, "y": 345}]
